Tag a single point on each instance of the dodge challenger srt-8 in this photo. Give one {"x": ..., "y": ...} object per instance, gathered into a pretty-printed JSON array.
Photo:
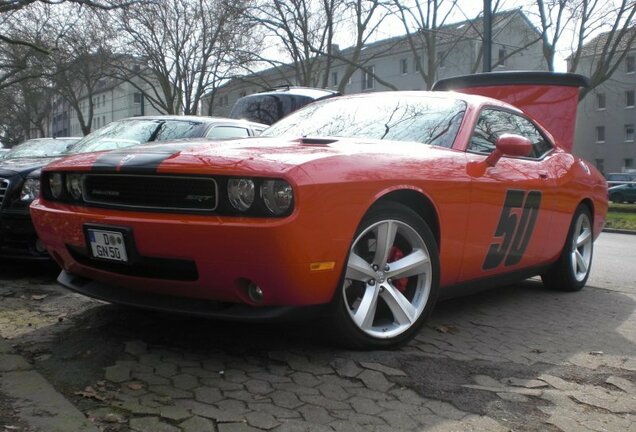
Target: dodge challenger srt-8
[{"x": 366, "y": 207}]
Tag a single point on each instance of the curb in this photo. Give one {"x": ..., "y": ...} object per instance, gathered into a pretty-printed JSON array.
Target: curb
[
  {"x": 619, "y": 231},
  {"x": 34, "y": 399}
]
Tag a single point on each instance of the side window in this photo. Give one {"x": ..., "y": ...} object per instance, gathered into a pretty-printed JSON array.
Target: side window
[
  {"x": 171, "y": 130},
  {"x": 490, "y": 125},
  {"x": 540, "y": 145},
  {"x": 493, "y": 123},
  {"x": 226, "y": 132}
]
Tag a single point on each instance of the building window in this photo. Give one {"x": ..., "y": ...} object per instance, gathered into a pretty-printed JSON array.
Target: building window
[
  {"x": 103, "y": 120},
  {"x": 501, "y": 60},
  {"x": 417, "y": 61},
  {"x": 629, "y": 163},
  {"x": 441, "y": 59},
  {"x": 600, "y": 101},
  {"x": 629, "y": 132},
  {"x": 600, "y": 134},
  {"x": 404, "y": 66},
  {"x": 137, "y": 98},
  {"x": 103, "y": 100},
  {"x": 334, "y": 78},
  {"x": 367, "y": 78},
  {"x": 600, "y": 165},
  {"x": 630, "y": 64},
  {"x": 629, "y": 99}
]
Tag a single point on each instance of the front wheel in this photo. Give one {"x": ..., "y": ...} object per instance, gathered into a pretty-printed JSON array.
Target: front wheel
[
  {"x": 390, "y": 281},
  {"x": 571, "y": 271}
]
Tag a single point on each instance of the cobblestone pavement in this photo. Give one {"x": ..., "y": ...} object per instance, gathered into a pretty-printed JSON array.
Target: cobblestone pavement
[{"x": 516, "y": 358}]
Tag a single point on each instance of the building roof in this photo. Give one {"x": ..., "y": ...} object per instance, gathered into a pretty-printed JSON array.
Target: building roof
[{"x": 596, "y": 45}]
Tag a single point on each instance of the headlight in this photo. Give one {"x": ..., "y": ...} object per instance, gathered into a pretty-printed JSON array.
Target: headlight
[
  {"x": 74, "y": 185},
  {"x": 241, "y": 193},
  {"x": 56, "y": 185},
  {"x": 30, "y": 189},
  {"x": 277, "y": 195}
]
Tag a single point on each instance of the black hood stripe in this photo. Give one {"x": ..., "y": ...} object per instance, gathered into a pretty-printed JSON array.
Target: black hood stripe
[{"x": 138, "y": 160}]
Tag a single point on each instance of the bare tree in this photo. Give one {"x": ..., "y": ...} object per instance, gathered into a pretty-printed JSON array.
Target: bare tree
[
  {"x": 422, "y": 22},
  {"x": 300, "y": 28},
  {"x": 24, "y": 110},
  {"x": 602, "y": 31},
  {"x": 184, "y": 48},
  {"x": 81, "y": 61},
  {"x": 367, "y": 16}
]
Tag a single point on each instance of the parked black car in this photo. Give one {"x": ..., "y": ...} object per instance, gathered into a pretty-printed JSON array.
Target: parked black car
[
  {"x": 20, "y": 167},
  {"x": 19, "y": 185},
  {"x": 272, "y": 105},
  {"x": 617, "y": 179}
]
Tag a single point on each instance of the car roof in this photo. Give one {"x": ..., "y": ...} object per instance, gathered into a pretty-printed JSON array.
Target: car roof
[
  {"x": 314, "y": 93},
  {"x": 200, "y": 119},
  {"x": 475, "y": 100}
]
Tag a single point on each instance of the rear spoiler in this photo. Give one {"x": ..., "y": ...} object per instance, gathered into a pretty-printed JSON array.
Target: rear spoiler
[{"x": 548, "y": 97}]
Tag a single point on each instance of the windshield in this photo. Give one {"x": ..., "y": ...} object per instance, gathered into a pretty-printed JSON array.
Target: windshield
[
  {"x": 127, "y": 133},
  {"x": 267, "y": 108},
  {"x": 424, "y": 119},
  {"x": 40, "y": 148}
]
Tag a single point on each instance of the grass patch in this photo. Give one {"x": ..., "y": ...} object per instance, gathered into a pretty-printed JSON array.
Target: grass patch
[
  {"x": 621, "y": 220},
  {"x": 623, "y": 208}
]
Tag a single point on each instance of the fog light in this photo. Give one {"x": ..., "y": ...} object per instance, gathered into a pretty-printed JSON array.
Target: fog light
[
  {"x": 254, "y": 292},
  {"x": 39, "y": 246}
]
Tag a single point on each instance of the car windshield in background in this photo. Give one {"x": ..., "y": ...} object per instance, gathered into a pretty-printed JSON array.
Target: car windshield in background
[
  {"x": 128, "y": 133},
  {"x": 267, "y": 108},
  {"x": 428, "y": 120},
  {"x": 40, "y": 148}
]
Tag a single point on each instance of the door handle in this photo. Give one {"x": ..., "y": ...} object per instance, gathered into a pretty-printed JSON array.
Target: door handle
[{"x": 543, "y": 174}]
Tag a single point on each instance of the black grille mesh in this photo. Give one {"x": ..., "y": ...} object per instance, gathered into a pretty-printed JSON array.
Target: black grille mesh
[{"x": 155, "y": 192}]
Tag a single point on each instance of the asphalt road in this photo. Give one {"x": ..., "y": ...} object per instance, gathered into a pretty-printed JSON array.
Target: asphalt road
[
  {"x": 516, "y": 358},
  {"x": 614, "y": 265}
]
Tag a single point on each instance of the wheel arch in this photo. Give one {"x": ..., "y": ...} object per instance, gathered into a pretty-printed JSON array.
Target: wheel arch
[
  {"x": 590, "y": 206},
  {"x": 419, "y": 203}
]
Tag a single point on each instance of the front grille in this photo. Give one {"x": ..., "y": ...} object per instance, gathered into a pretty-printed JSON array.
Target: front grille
[
  {"x": 151, "y": 192},
  {"x": 4, "y": 185}
]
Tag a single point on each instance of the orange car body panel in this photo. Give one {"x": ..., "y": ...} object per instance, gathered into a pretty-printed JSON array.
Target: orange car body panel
[{"x": 334, "y": 186}]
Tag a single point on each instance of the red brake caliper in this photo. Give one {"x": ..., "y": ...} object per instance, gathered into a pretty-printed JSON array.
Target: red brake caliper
[{"x": 394, "y": 255}]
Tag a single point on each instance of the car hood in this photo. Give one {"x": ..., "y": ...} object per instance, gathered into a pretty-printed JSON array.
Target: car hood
[
  {"x": 24, "y": 165},
  {"x": 254, "y": 156}
]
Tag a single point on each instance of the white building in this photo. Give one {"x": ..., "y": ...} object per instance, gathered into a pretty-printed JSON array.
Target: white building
[
  {"x": 516, "y": 46},
  {"x": 606, "y": 118}
]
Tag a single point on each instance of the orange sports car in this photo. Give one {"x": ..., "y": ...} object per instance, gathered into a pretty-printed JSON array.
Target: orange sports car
[{"x": 367, "y": 208}]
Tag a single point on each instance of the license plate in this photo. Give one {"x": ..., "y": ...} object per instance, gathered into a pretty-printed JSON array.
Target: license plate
[{"x": 108, "y": 245}]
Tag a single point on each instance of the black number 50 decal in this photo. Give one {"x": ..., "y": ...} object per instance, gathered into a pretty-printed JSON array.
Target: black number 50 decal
[{"x": 514, "y": 233}]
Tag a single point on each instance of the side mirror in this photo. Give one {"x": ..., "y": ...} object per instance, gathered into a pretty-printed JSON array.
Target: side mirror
[{"x": 509, "y": 145}]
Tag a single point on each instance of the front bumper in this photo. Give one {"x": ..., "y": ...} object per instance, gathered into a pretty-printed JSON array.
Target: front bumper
[
  {"x": 185, "y": 306},
  {"x": 227, "y": 253}
]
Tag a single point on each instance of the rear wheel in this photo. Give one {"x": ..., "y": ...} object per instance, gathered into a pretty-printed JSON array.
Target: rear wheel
[
  {"x": 571, "y": 271},
  {"x": 390, "y": 282}
]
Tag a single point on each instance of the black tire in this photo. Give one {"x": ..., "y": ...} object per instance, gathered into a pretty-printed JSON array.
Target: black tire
[
  {"x": 570, "y": 273},
  {"x": 391, "y": 322},
  {"x": 617, "y": 198}
]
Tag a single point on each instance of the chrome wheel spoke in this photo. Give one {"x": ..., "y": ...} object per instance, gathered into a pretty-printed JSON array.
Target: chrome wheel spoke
[
  {"x": 386, "y": 232},
  {"x": 358, "y": 269},
  {"x": 581, "y": 264},
  {"x": 365, "y": 312},
  {"x": 414, "y": 263},
  {"x": 403, "y": 311},
  {"x": 583, "y": 238}
]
